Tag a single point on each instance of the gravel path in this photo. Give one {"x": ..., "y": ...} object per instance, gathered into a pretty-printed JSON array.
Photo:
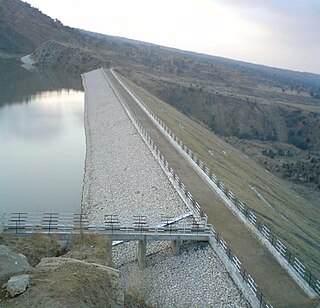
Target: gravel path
[{"x": 123, "y": 178}]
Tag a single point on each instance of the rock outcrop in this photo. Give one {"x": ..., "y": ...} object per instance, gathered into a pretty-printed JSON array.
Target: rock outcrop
[
  {"x": 65, "y": 282},
  {"x": 12, "y": 264},
  {"x": 66, "y": 57},
  {"x": 18, "y": 284}
]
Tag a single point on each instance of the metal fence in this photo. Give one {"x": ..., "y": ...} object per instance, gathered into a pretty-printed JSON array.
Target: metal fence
[
  {"x": 68, "y": 223},
  {"x": 50, "y": 222},
  {"x": 197, "y": 208},
  {"x": 263, "y": 302},
  {"x": 248, "y": 213},
  {"x": 195, "y": 205}
]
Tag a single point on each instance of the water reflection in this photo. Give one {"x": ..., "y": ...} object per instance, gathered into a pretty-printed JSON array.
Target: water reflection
[
  {"x": 17, "y": 84},
  {"x": 42, "y": 117},
  {"x": 42, "y": 146}
]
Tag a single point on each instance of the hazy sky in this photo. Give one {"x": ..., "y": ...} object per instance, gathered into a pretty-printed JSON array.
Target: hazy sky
[{"x": 281, "y": 33}]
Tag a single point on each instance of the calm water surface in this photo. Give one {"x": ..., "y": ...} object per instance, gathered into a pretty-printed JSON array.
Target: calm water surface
[{"x": 42, "y": 143}]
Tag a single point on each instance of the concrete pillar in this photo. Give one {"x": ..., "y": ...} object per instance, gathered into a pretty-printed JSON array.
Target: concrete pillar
[
  {"x": 175, "y": 247},
  {"x": 142, "y": 251}
]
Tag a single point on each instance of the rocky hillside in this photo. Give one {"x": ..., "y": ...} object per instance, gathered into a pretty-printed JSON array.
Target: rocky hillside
[
  {"x": 23, "y": 28},
  {"x": 60, "y": 56},
  {"x": 238, "y": 104},
  {"x": 256, "y": 117}
]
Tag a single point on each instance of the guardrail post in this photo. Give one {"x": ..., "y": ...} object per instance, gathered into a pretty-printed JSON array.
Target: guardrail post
[
  {"x": 229, "y": 253},
  {"x": 289, "y": 257},
  {"x": 244, "y": 274},
  {"x": 50, "y": 219},
  {"x": 217, "y": 237},
  {"x": 260, "y": 299},
  {"x": 259, "y": 226},
  {"x": 272, "y": 239}
]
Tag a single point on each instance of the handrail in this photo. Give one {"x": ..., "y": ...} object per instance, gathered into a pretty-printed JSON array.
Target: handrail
[
  {"x": 68, "y": 224},
  {"x": 52, "y": 222}
]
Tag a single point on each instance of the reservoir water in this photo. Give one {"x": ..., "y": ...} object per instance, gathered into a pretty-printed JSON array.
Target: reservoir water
[{"x": 42, "y": 141}]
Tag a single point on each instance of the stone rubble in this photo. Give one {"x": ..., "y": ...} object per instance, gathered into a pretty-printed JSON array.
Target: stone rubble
[
  {"x": 123, "y": 178},
  {"x": 18, "y": 284},
  {"x": 12, "y": 264},
  {"x": 194, "y": 278}
]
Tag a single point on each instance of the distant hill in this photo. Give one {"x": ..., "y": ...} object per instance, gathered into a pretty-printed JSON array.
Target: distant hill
[
  {"x": 271, "y": 114},
  {"x": 288, "y": 77},
  {"x": 23, "y": 28}
]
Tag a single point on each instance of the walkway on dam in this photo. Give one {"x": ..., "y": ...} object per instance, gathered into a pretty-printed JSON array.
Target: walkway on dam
[{"x": 275, "y": 283}]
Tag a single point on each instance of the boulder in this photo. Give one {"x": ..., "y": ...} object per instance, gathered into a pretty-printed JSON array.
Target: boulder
[
  {"x": 17, "y": 284},
  {"x": 12, "y": 264}
]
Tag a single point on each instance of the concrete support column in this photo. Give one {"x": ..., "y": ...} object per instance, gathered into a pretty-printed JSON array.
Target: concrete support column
[
  {"x": 142, "y": 251},
  {"x": 175, "y": 247}
]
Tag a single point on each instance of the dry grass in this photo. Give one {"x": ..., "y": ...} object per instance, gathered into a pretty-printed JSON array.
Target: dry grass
[
  {"x": 136, "y": 293},
  {"x": 34, "y": 247},
  {"x": 90, "y": 248},
  {"x": 68, "y": 285},
  {"x": 292, "y": 218}
]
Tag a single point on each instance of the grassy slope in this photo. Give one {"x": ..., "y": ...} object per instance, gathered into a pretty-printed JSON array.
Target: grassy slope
[{"x": 293, "y": 219}]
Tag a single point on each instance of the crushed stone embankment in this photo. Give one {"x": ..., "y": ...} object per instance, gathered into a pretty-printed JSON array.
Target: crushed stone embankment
[{"x": 122, "y": 178}]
